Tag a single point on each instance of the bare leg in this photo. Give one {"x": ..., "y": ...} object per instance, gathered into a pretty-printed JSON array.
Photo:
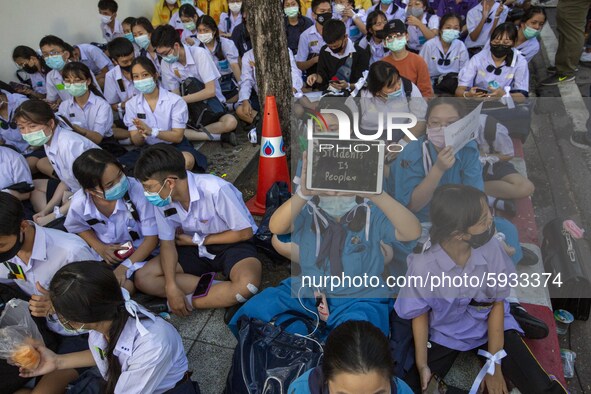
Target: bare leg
[
  {"x": 32, "y": 162},
  {"x": 189, "y": 161},
  {"x": 44, "y": 166},
  {"x": 194, "y": 135},
  {"x": 509, "y": 187},
  {"x": 39, "y": 195},
  {"x": 226, "y": 124},
  {"x": 150, "y": 279},
  {"x": 55, "y": 382}
]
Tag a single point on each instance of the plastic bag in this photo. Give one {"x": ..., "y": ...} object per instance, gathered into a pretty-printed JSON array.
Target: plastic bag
[
  {"x": 568, "y": 362},
  {"x": 17, "y": 329}
]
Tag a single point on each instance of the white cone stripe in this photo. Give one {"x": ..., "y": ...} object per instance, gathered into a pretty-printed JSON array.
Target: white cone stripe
[{"x": 275, "y": 143}]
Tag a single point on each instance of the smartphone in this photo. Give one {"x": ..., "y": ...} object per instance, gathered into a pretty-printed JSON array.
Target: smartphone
[
  {"x": 204, "y": 284},
  {"x": 126, "y": 251}
]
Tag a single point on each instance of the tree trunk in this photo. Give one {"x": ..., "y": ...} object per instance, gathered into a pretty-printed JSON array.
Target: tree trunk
[{"x": 265, "y": 22}]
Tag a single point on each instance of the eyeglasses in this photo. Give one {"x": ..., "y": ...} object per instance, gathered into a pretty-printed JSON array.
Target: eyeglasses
[
  {"x": 168, "y": 52},
  {"x": 52, "y": 53}
]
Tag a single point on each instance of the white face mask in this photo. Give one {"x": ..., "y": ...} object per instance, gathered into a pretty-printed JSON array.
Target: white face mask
[
  {"x": 235, "y": 7},
  {"x": 339, "y": 8},
  {"x": 105, "y": 18},
  {"x": 337, "y": 206},
  {"x": 205, "y": 38}
]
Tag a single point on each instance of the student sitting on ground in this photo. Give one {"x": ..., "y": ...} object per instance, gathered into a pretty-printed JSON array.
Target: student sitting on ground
[
  {"x": 128, "y": 34},
  {"x": 481, "y": 21},
  {"x": 157, "y": 116},
  {"x": 357, "y": 359},
  {"x": 95, "y": 59},
  {"x": 193, "y": 69},
  {"x": 31, "y": 256},
  {"x": 336, "y": 234},
  {"x": 110, "y": 25},
  {"x": 352, "y": 17},
  {"x": 497, "y": 70},
  {"x": 135, "y": 351},
  {"x": 390, "y": 9},
  {"x": 86, "y": 109},
  {"x": 449, "y": 320},
  {"x": 176, "y": 22},
  {"x": 410, "y": 65},
  {"x": 230, "y": 19},
  {"x": 340, "y": 63},
  {"x": 445, "y": 55},
  {"x": 530, "y": 27},
  {"x": 295, "y": 23},
  {"x": 119, "y": 86},
  {"x": 9, "y": 134},
  {"x": 374, "y": 40},
  {"x": 33, "y": 64},
  {"x": 142, "y": 31},
  {"x": 16, "y": 176},
  {"x": 111, "y": 210},
  {"x": 422, "y": 25},
  {"x": 311, "y": 40},
  {"x": 203, "y": 227},
  {"x": 39, "y": 126}
]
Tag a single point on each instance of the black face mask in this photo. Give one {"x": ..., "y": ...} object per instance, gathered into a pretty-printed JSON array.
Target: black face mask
[
  {"x": 30, "y": 69},
  {"x": 323, "y": 18},
  {"x": 9, "y": 254},
  {"x": 338, "y": 50},
  {"x": 482, "y": 239},
  {"x": 126, "y": 69},
  {"x": 500, "y": 51},
  {"x": 380, "y": 35}
]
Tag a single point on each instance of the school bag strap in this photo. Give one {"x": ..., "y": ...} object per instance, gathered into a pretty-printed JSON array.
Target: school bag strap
[
  {"x": 490, "y": 132},
  {"x": 134, "y": 213}
]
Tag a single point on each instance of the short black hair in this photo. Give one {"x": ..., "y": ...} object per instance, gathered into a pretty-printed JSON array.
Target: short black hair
[
  {"x": 187, "y": 10},
  {"x": 143, "y": 22},
  {"x": 333, "y": 30},
  {"x": 110, "y": 5},
  {"x": 159, "y": 161},
  {"x": 55, "y": 41},
  {"x": 316, "y": 3},
  {"x": 531, "y": 12},
  {"x": 130, "y": 20},
  {"x": 120, "y": 47},
  {"x": 507, "y": 28},
  {"x": 381, "y": 74},
  {"x": 165, "y": 36},
  {"x": 90, "y": 166},
  {"x": 448, "y": 16},
  {"x": 454, "y": 102},
  {"x": 11, "y": 214}
]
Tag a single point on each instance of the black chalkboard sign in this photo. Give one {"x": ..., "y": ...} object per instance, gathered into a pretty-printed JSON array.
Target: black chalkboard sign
[{"x": 345, "y": 165}]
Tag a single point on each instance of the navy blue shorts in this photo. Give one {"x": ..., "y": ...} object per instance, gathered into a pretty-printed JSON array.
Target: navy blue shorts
[
  {"x": 500, "y": 170},
  {"x": 226, "y": 257}
]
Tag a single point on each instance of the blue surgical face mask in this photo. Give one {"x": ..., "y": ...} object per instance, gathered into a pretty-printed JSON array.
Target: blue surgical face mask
[
  {"x": 530, "y": 33},
  {"x": 55, "y": 62},
  {"x": 387, "y": 2},
  {"x": 155, "y": 199},
  {"x": 118, "y": 190},
  {"x": 337, "y": 206},
  {"x": 76, "y": 89},
  {"x": 129, "y": 36},
  {"x": 146, "y": 85},
  {"x": 143, "y": 41},
  {"x": 448, "y": 35},
  {"x": 170, "y": 59},
  {"x": 396, "y": 94}
]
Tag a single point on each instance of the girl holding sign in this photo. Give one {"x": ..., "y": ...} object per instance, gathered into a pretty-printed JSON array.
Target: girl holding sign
[{"x": 449, "y": 320}]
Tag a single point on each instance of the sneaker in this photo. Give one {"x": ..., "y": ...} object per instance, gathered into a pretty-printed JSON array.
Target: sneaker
[
  {"x": 552, "y": 69},
  {"x": 556, "y": 79},
  {"x": 529, "y": 257},
  {"x": 229, "y": 138},
  {"x": 580, "y": 140},
  {"x": 532, "y": 327}
]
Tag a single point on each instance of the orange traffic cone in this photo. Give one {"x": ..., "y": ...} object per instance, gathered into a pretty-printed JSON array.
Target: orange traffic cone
[{"x": 272, "y": 160}]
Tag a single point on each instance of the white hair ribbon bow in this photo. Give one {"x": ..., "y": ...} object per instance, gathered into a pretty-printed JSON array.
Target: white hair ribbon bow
[{"x": 133, "y": 309}]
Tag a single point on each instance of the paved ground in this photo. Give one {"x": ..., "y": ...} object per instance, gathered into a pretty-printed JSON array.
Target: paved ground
[{"x": 561, "y": 173}]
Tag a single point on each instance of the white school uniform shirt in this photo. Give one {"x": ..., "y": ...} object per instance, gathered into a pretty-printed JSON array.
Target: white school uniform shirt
[
  {"x": 215, "y": 206},
  {"x": 502, "y": 143},
  {"x": 234, "y": 21},
  {"x": 248, "y": 80},
  {"x": 399, "y": 13},
  {"x": 171, "y": 113},
  {"x": 432, "y": 52},
  {"x": 55, "y": 86},
  {"x": 14, "y": 168},
  {"x": 94, "y": 58},
  {"x": 12, "y": 136},
  {"x": 96, "y": 115},
  {"x": 189, "y": 34},
  {"x": 514, "y": 75},
  {"x": 38, "y": 82},
  {"x": 175, "y": 19},
  {"x": 230, "y": 53},
  {"x": 310, "y": 44},
  {"x": 198, "y": 65},
  {"x": 64, "y": 147},
  {"x": 372, "y": 107},
  {"x": 377, "y": 51},
  {"x": 52, "y": 249},
  {"x": 113, "y": 93},
  {"x": 416, "y": 39},
  {"x": 109, "y": 34},
  {"x": 116, "y": 228},
  {"x": 529, "y": 48},
  {"x": 352, "y": 29},
  {"x": 473, "y": 19},
  {"x": 152, "y": 361}
]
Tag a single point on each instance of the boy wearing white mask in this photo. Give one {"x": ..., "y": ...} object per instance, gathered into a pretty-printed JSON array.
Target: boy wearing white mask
[{"x": 110, "y": 25}]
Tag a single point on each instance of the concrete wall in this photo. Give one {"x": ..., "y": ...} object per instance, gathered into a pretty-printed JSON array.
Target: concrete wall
[{"x": 25, "y": 22}]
